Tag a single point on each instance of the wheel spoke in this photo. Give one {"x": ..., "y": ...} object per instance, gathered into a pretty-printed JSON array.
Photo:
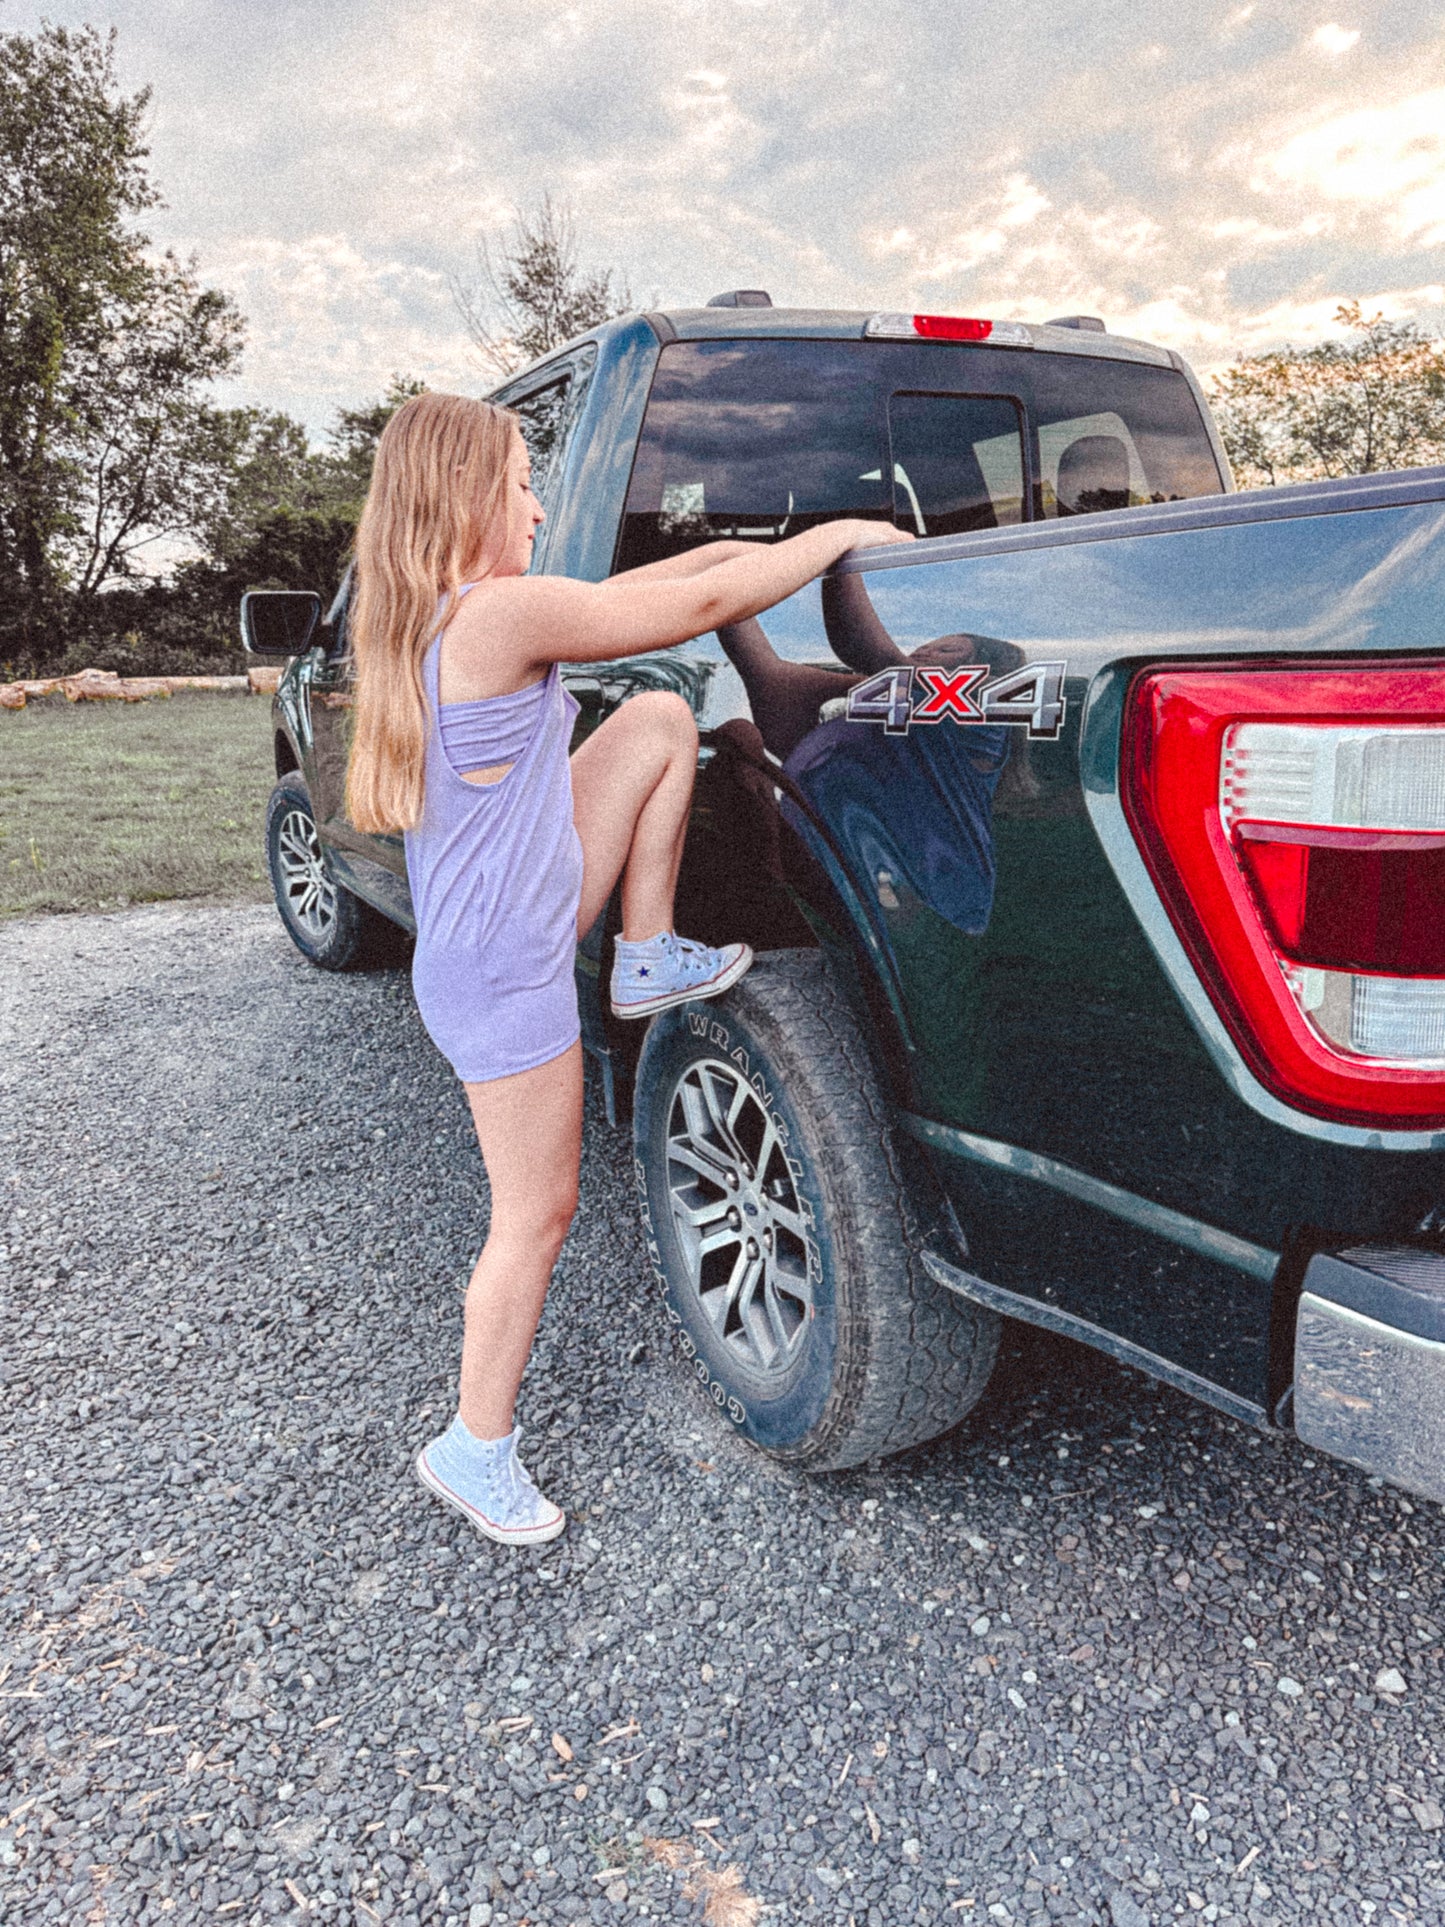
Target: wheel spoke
[
  {"x": 756, "y": 1321},
  {"x": 786, "y": 1219},
  {"x": 796, "y": 1285},
  {"x": 766, "y": 1148},
  {"x": 773, "y": 1306},
  {"x": 722, "y": 1120},
  {"x": 717, "y": 1239},
  {"x": 788, "y": 1321},
  {"x": 720, "y": 1301},
  {"x": 697, "y": 1158},
  {"x": 700, "y": 1215}
]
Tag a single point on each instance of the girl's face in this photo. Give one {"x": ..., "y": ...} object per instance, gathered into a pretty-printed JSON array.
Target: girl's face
[{"x": 523, "y": 514}]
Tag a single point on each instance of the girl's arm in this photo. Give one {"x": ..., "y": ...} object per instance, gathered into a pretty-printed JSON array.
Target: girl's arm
[
  {"x": 535, "y": 620},
  {"x": 690, "y": 562}
]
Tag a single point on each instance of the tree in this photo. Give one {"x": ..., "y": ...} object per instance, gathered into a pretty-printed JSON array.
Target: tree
[
  {"x": 347, "y": 467},
  {"x": 537, "y": 295},
  {"x": 1374, "y": 400},
  {"x": 289, "y": 512},
  {"x": 105, "y": 441},
  {"x": 285, "y": 518},
  {"x": 150, "y": 457},
  {"x": 272, "y": 470},
  {"x": 70, "y": 174}
]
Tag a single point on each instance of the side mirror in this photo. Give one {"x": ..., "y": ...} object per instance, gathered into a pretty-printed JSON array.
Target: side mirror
[{"x": 279, "y": 622}]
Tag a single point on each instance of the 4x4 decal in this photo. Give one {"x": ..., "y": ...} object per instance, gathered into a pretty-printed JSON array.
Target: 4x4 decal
[{"x": 918, "y": 693}]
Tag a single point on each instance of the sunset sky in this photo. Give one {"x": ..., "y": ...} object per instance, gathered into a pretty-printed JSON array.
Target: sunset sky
[{"x": 1215, "y": 177}]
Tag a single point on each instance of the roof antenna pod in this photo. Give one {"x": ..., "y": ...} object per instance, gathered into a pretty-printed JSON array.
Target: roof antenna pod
[
  {"x": 1090, "y": 323},
  {"x": 742, "y": 298}
]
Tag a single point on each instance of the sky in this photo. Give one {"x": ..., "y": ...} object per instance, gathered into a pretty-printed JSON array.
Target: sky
[{"x": 1212, "y": 176}]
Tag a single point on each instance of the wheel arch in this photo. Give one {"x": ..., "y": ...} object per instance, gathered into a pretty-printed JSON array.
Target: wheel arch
[{"x": 760, "y": 867}]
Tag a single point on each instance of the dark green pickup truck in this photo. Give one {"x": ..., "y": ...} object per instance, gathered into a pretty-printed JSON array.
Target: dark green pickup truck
[{"x": 1094, "y": 849}]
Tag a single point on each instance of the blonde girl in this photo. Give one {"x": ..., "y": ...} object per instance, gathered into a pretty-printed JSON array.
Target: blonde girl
[{"x": 462, "y": 726}]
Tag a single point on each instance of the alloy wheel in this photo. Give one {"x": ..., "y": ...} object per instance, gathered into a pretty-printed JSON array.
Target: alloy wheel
[
  {"x": 310, "y": 895},
  {"x": 741, "y": 1226}
]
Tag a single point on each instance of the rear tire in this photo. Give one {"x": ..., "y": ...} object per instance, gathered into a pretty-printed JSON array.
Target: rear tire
[
  {"x": 783, "y": 1231},
  {"x": 327, "y": 924}
]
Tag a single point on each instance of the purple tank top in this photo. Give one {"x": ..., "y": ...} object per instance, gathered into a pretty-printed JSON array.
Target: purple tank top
[{"x": 496, "y": 877}]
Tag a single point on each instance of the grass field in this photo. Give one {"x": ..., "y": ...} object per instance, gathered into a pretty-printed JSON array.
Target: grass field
[{"x": 104, "y": 804}]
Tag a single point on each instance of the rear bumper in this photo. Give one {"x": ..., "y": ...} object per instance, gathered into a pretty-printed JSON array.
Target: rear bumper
[{"x": 1369, "y": 1379}]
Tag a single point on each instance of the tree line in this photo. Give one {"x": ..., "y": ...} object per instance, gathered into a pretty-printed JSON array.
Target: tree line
[{"x": 113, "y": 457}]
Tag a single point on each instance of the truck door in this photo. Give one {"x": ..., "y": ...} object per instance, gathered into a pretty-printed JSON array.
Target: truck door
[{"x": 373, "y": 866}]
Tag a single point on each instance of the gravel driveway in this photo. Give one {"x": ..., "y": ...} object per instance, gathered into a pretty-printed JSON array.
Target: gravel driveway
[{"x": 1100, "y": 1656}]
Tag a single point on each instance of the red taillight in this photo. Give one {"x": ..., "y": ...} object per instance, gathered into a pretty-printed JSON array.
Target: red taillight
[
  {"x": 1350, "y": 900},
  {"x": 1293, "y": 821}
]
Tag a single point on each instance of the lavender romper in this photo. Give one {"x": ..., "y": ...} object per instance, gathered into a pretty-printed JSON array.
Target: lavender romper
[{"x": 496, "y": 877}]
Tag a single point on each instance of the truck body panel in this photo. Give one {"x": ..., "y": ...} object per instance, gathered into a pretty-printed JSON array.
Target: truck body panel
[{"x": 1041, "y": 1024}]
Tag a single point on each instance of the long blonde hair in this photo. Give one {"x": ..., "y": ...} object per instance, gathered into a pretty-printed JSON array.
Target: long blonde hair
[{"x": 437, "y": 487}]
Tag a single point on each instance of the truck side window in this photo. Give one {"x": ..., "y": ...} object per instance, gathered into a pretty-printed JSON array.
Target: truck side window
[
  {"x": 958, "y": 462},
  {"x": 755, "y": 440},
  {"x": 544, "y": 416}
]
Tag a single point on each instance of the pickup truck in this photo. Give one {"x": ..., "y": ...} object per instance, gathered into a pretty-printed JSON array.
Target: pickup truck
[{"x": 1093, "y": 847}]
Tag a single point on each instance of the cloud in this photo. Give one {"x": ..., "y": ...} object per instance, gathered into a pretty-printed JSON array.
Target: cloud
[
  {"x": 328, "y": 321},
  {"x": 1334, "y": 40},
  {"x": 1386, "y": 161},
  {"x": 1220, "y": 185},
  {"x": 1013, "y": 203}
]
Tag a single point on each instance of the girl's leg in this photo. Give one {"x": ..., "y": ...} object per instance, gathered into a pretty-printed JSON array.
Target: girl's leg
[
  {"x": 530, "y": 1130},
  {"x": 631, "y": 791}
]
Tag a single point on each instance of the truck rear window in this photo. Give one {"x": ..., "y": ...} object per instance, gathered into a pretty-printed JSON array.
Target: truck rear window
[{"x": 761, "y": 439}]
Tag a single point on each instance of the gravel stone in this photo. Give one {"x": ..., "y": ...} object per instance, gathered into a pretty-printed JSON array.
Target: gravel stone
[
  {"x": 254, "y": 1670},
  {"x": 1125, "y": 1912}
]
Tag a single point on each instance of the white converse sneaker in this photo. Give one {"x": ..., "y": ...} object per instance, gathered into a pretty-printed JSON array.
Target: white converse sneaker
[
  {"x": 666, "y": 970},
  {"x": 486, "y": 1482}
]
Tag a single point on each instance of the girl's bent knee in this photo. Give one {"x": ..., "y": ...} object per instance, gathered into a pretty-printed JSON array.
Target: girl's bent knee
[{"x": 669, "y": 715}]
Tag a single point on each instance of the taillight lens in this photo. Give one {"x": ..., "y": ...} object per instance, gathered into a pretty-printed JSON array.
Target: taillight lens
[{"x": 1294, "y": 824}]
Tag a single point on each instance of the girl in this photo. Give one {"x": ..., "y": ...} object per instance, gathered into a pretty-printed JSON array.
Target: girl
[{"x": 461, "y": 734}]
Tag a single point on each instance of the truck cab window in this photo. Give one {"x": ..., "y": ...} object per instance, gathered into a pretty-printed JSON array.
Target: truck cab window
[
  {"x": 958, "y": 462},
  {"x": 754, "y": 441},
  {"x": 1113, "y": 434},
  {"x": 759, "y": 439}
]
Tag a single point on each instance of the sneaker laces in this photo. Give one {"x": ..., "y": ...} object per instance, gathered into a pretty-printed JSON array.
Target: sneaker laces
[
  {"x": 523, "y": 1487},
  {"x": 691, "y": 954}
]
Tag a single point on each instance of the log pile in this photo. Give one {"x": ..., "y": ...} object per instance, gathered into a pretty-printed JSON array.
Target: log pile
[{"x": 105, "y": 686}]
